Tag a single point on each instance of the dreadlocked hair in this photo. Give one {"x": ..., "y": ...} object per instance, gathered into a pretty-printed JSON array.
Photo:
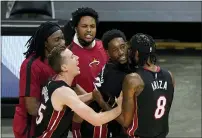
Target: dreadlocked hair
[
  {"x": 143, "y": 40},
  {"x": 68, "y": 32},
  {"x": 152, "y": 55},
  {"x": 109, "y": 35},
  {"x": 36, "y": 43}
]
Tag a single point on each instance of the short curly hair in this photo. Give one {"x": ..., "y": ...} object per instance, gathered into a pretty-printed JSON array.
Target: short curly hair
[
  {"x": 84, "y": 11},
  {"x": 109, "y": 35}
]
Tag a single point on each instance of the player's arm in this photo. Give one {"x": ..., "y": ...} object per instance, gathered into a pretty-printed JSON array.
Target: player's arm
[
  {"x": 70, "y": 99},
  {"x": 30, "y": 88},
  {"x": 83, "y": 95},
  {"x": 132, "y": 85},
  {"x": 79, "y": 90},
  {"x": 32, "y": 105},
  {"x": 99, "y": 99},
  {"x": 86, "y": 97}
]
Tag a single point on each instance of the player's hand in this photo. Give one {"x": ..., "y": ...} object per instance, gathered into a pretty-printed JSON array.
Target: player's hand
[
  {"x": 119, "y": 100},
  {"x": 97, "y": 96}
]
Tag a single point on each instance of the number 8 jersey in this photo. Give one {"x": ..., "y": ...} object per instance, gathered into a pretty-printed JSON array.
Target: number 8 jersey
[
  {"x": 51, "y": 123},
  {"x": 153, "y": 105}
]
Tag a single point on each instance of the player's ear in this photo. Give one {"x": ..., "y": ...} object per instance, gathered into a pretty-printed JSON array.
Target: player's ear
[
  {"x": 75, "y": 29},
  {"x": 64, "y": 68},
  {"x": 46, "y": 44}
]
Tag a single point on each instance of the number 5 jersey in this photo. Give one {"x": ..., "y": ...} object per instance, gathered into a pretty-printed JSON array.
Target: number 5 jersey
[{"x": 51, "y": 123}]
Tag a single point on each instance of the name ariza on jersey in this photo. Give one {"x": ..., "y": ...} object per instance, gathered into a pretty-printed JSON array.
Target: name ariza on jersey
[{"x": 159, "y": 84}]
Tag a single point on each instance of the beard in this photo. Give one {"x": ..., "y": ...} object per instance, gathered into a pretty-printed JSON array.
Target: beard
[
  {"x": 85, "y": 43},
  {"x": 132, "y": 63}
]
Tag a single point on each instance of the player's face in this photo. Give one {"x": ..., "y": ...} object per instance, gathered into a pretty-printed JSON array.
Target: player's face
[
  {"x": 70, "y": 62},
  {"x": 134, "y": 56},
  {"x": 56, "y": 39},
  {"x": 86, "y": 28},
  {"x": 117, "y": 50}
]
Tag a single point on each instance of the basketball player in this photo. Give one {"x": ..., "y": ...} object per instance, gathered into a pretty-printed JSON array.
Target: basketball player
[
  {"x": 148, "y": 93},
  {"x": 59, "y": 100},
  {"x": 80, "y": 35},
  {"x": 34, "y": 72},
  {"x": 115, "y": 70}
]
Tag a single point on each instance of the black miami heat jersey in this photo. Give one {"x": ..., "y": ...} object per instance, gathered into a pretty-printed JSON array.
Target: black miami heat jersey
[
  {"x": 109, "y": 83},
  {"x": 51, "y": 123},
  {"x": 109, "y": 80},
  {"x": 153, "y": 105}
]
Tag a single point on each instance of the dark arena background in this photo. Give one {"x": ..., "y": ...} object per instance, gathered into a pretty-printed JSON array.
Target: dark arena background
[{"x": 176, "y": 27}]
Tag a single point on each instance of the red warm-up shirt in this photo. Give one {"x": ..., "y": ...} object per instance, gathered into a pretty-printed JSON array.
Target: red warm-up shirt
[
  {"x": 91, "y": 62},
  {"x": 33, "y": 75}
]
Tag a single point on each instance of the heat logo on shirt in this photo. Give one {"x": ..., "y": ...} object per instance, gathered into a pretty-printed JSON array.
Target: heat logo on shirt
[
  {"x": 99, "y": 80},
  {"x": 94, "y": 62}
]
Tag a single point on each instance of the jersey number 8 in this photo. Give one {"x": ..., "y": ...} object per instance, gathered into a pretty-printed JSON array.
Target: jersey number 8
[
  {"x": 40, "y": 114},
  {"x": 160, "y": 110}
]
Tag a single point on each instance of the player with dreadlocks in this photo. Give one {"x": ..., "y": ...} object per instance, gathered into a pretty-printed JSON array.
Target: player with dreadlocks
[
  {"x": 148, "y": 93},
  {"x": 34, "y": 72},
  {"x": 80, "y": 33}
]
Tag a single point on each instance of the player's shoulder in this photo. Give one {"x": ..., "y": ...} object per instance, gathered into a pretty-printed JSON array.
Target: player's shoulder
[
  {"x": 109, "y": 65},
  {"x": 99, "y": 43},
  {"x": 100, "y": 48},
  {"x": 111, "y": 68},
  {"x": 64, "y": 90},
  {"x": 169, "y": 74},
  {"x": 31, "y": 62},
  {"x": 166, "y": 71},
  {"x": 98, "y": 40},
  {"x": 132, "y": 76},
  {"x": 133, "y": 79}
]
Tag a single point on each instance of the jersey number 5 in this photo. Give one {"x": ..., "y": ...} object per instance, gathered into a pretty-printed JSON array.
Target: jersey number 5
[
  {"x": 40, "y": 114},
  {"x": 160, "y": 110}
]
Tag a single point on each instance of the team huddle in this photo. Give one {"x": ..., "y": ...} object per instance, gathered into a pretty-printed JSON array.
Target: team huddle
[{"x": 108, "y": 88}]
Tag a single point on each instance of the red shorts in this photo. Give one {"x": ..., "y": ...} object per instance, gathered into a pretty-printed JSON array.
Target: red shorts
[{"x": 21, "y": 127}]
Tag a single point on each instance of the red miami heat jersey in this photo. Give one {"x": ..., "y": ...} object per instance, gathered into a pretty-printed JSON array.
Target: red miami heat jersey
[{"x": 91, "y": 62}]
